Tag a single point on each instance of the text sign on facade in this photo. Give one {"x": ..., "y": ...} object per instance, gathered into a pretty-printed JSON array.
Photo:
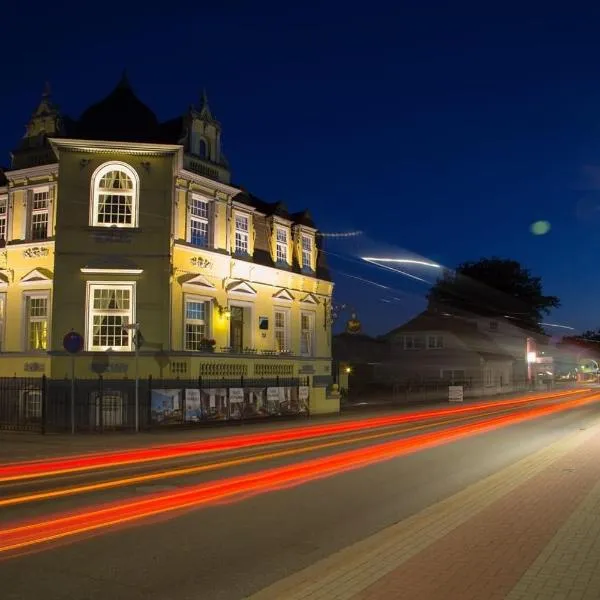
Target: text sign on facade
[
  {"x": 455, "y": 393},
  {"x": 236, "y": 395}
]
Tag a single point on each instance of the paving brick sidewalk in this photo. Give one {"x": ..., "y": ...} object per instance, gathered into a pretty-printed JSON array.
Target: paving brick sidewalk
[{"x": 528, "y": 532}]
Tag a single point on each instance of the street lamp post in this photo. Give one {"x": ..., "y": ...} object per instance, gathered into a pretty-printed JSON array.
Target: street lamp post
[{"x": 135, "y": 327}]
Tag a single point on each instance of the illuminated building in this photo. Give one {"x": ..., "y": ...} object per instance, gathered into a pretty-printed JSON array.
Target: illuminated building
[{"x": 117, "y": 218}]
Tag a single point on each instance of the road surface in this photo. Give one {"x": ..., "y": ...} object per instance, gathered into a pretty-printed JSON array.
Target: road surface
[{"x": 253, "y": 511}]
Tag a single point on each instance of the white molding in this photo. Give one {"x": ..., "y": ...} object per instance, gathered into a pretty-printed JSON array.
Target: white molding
[
  {"x": 199, "y": 281},
  {"x": 95, "y": 271},
  {"x": 125, "y": 147},
  {"x": 205, "y": 181},
  {"x": 35, "y": 277},
  {"x": 17, "y": 245},
  {"x": 242, "y": 288},
  {"x": 310, "y": 299},
  {"x": 37, "y": 171},
  {"x": 283, "y": 295}
]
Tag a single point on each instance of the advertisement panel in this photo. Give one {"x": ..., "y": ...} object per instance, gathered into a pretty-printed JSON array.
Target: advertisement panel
[{"x": 165, "y": 406}]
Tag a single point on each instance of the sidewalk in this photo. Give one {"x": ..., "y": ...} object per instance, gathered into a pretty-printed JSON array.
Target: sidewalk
[
  {"x": 528, "y": 532},
  {"x": 17, "y": 446}
]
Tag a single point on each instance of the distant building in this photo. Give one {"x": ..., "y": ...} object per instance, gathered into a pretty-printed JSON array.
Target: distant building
[
  {"x": 488, "y": 355},
  {"x": 117, "y": 218}
]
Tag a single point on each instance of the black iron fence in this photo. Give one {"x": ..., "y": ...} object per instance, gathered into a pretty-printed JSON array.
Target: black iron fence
[{"x": 43, "y": 404}]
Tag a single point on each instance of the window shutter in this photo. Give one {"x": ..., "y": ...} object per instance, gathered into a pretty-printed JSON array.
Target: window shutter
[
  {"x": 27, "y": 220},
  {"x": 51, "y": 210}
]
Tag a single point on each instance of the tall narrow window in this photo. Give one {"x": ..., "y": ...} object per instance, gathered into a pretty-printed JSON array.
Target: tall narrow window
[
  {"x": 2, "y": 320},
  {"x": 241, "y": 234},
  {"x": 110, "y": 309},
  {"x": 198, "y": 222},
  {"x": 307, "y": 245},
  {"x": 115, "y": 196},
  {"x": 203, "y": 149},
  {"x": 3, "y": 215},
  {"x": 281, "y": 240},
  {"x": 196, "y": 324},
  {"x": 307, "y": 332},
  {"x": 39, "y": 214},
  {"x": 281, "y": 331},
  {"x": 36, "y": 310}
]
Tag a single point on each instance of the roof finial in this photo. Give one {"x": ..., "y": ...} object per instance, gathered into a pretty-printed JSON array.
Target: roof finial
[
  {"x": 124, "y": 82},
  {"x": 47, "y": 91},
  {"x": 204, "y": 101}
]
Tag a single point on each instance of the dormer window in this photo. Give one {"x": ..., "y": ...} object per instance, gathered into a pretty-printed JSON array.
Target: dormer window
[
  {"x": 307, "y": 252},
  {"x": 115, "y": 194},
  {"x": 281, "y": 244},
  {"x": 3, "y": 214},
  {"x": 242, "y": 227}
]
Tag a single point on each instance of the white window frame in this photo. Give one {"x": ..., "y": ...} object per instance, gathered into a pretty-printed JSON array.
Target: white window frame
[
  {"x": 208, "y": 306},
  {"x": 307, "y": 254},
  {"x": 39, "y": 212},
  {"x": 281, "y": 246},
  {"x": 244, "y": 234},
  {"x": 435, "y": 342},
  {"x": 4, "y": 217},
  {"x": 95, "y": 193},
  {"x": 285, "y": 329},
  {"x": 413, "y": 345},
  {"x": 312, "y": 330},
  {"x": 197, "y": 217},
  {"x": 28, "y": 320},
  {"x": 90, "y": 312},
  {"x": 488, "y": 377}
]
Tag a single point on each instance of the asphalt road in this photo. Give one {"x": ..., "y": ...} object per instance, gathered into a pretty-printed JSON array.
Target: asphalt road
[{"x": 234, "y": 548}]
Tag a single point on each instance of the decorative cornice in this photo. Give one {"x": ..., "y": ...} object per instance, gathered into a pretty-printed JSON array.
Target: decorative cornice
[
  {"x": 95, "y": 146},
  {"x": 37, "y": 171}
]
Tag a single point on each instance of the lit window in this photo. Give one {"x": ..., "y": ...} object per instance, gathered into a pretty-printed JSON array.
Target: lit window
[
  {"x": 307, "y": 332},
  {"x": 115, "y": 196},
  {"x": 36, "y": 307},
  {"x": 203, "y": 149},
  {"x": 435, "y": 342},
  {"x": 281, "y": 331},
  {"x": 111, "y": 308},
  {"x": 307, "y": 252},
  {"x": 3, "y": 213},
  {"x": 196, "y": 325},
  {"x": 198, "y": 222},
  {"x": 281, "y": 241},
  {"x": 39, "y": 215},
  {"x": 241, "y": 234}
]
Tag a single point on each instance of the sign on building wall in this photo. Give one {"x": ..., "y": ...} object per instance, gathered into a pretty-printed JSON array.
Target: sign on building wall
[{"x": 455, "y": 393}]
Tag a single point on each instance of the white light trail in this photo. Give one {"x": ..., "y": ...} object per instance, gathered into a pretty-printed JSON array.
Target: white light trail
[
  {"x": 556, "y": 325},
  {"x": 404, "y": 261}
]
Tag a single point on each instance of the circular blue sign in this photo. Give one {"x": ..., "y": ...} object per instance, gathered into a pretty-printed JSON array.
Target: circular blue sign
[{"x": 73, "y": 342}]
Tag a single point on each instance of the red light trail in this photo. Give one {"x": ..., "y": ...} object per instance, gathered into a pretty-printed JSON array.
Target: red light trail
[
  {"x": 24, "y": 535},
  {"x": 62, "y": 465}
]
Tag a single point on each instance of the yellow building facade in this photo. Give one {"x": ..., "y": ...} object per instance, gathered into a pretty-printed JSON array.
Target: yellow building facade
[{"x": 117, "y": 222}]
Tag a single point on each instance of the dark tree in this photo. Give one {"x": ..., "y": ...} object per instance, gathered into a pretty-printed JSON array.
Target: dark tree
[
  {"x": 493, "y": 287},
  {"x": 588, "y": 341}
]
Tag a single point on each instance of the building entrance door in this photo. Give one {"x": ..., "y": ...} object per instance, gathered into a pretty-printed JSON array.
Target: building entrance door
[{"x": 236, "y": 329}]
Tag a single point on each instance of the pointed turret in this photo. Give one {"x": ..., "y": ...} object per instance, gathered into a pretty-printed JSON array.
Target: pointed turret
[{"x": 45, "y": 122}]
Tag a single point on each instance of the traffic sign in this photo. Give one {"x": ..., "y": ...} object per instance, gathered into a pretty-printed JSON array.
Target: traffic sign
[{"x": 73, "y": 342}]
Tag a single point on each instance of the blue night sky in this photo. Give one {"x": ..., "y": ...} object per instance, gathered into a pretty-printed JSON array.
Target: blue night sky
[{"x": 439, "y": 131}]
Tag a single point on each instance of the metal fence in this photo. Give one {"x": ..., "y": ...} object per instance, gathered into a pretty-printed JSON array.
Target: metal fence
[{"x": 43, "y": 404}]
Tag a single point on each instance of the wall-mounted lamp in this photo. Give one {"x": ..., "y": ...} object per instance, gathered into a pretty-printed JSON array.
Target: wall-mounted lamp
[
  {"x": 224, "y": 311},
  {"x": 83, "y": 163},
  {"x": 348, "y": 370},
  {"x": 146, "y": 166}
]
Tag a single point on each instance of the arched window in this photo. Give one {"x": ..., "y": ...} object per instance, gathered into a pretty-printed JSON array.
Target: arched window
[
  {"x": 115, "y": 196},
  {"x": 203, "y": 148}
]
